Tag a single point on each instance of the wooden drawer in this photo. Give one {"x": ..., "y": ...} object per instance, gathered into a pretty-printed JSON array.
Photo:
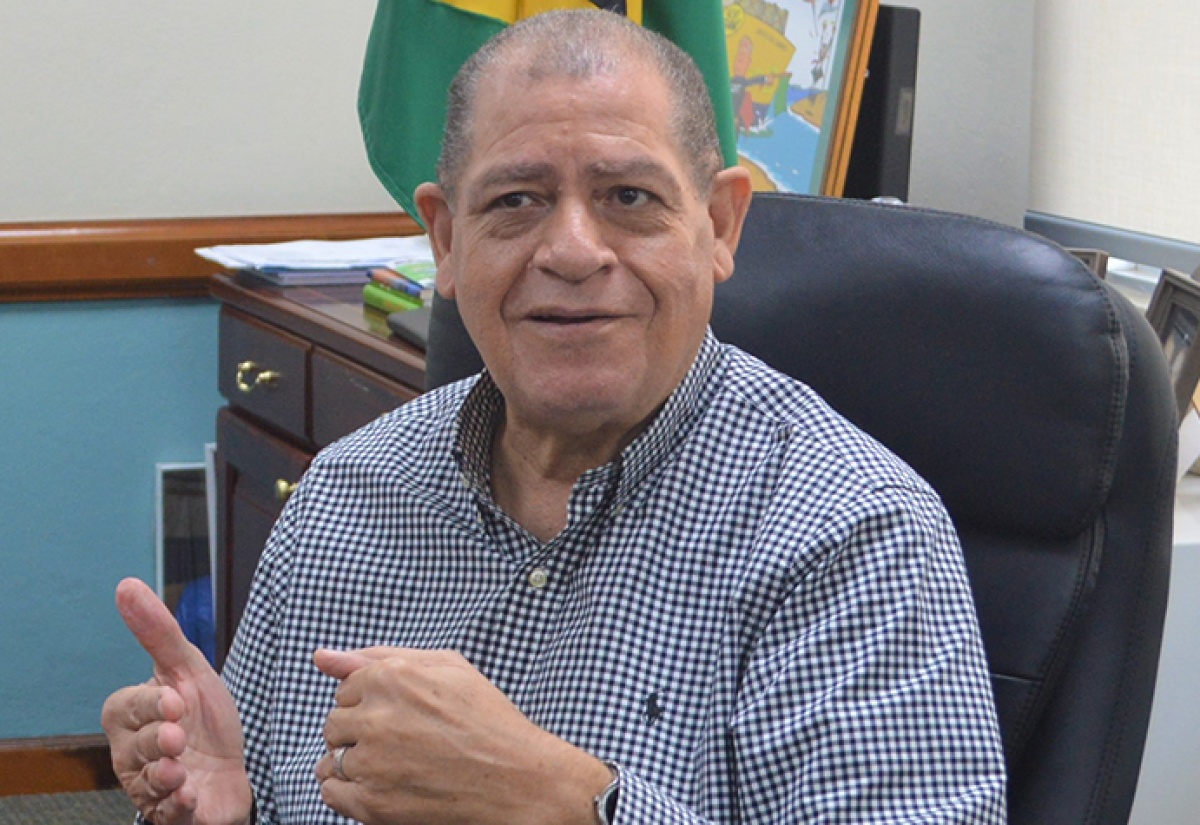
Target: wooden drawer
[
  {"x": 332, "y": 368},
  {"x": 264, "y": 371},
  {"x": 347, "y": 396}
]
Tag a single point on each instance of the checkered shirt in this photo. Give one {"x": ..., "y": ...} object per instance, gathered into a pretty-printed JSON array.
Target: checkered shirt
[{"x": 755, "y": 610}]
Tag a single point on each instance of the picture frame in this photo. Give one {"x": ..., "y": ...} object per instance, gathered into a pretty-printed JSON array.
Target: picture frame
[
  {"x": 1174, "y": 314},
  {"x": 796, "y": 70},
  {"x": 1094, "y": 259}
]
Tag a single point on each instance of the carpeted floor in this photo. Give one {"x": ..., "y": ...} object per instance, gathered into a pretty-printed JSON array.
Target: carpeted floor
[{"x": 94, "y": 808}]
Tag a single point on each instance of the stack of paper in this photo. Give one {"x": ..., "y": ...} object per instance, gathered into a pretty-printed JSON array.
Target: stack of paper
[{"x": 313, "y": 263}]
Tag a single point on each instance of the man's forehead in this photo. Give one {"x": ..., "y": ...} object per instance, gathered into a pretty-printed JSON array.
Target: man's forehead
[
  {"x": 522, "y": 81},
  {"x": 518, "y": 70}
]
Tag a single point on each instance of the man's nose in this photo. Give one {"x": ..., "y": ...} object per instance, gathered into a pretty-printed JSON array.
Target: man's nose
[{"x": 574, "y": 246}]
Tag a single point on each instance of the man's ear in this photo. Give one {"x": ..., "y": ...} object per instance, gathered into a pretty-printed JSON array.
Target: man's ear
[
  {"x": 727, "y": 207},
  {"x": 438, "y": 218}
]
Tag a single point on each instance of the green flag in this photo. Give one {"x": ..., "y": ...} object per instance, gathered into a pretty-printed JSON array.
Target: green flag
[{"x": 416, "y": 47}]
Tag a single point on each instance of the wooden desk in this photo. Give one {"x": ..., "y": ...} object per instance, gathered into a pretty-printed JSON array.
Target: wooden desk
[{"x": 299, "y": 367}]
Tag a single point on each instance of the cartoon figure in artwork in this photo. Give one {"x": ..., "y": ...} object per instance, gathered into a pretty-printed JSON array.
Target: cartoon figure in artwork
[
  {"x": 829, "y": 7},
  {"x": 826, "y": 7},
  {"x": 745, "y": 112},
  {"x": 824, "y": 51}
]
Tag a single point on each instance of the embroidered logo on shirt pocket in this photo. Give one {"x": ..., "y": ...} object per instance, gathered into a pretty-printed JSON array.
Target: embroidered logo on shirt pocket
[{"x": 652, "y": 709}]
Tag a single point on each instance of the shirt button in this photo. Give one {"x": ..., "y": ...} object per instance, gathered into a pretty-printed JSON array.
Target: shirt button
[{"x": 538, "y": 578}]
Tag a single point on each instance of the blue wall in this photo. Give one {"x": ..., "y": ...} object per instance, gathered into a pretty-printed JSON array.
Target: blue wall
[{"x": 92, "y": 396}]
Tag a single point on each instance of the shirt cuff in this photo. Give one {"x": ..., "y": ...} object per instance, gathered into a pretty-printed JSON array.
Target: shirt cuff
[{"x": 641, "y": 801}]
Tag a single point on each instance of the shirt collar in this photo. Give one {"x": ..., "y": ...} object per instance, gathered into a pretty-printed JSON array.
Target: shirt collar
[{"x": 480, "y": 412}]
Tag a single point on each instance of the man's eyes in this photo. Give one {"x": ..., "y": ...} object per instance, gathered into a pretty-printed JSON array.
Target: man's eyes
[
  {"x": 514, "y": 200},
  {"x": 624, "y": 196},
  {"x": 631, "y": 196}
]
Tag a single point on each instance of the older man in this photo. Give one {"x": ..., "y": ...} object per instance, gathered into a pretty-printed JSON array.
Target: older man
[{"x": 626, "y": 575}]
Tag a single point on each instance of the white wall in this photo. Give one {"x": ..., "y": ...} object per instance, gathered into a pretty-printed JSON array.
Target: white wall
[
  {"x": 1117, "y": 115},
  {"x": 971, "y": 133},
  {"x": 139, "y": 108}
]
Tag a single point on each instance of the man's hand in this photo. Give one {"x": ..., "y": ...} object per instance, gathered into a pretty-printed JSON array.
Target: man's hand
[
  {"x": 176, "y": 740},
  {"x": 430, "y": 740}
]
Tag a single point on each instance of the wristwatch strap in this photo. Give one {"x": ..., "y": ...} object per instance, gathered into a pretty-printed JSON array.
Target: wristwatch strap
[{"x": 606, "y": 801}]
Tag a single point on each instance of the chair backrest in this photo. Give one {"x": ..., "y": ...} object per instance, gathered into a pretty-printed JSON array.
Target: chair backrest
[{"x": 1037, "y": 403}]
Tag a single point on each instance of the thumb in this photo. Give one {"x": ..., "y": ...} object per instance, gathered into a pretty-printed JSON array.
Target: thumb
[
  {"x": 341, "y": 663},
  {"x": 155, "y": 628}
]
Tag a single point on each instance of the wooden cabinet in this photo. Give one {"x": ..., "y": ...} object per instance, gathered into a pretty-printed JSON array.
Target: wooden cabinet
[{"x": 299, "y": 368}]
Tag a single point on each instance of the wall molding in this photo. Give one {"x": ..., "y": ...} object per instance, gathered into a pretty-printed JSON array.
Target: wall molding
[
  {"x": 101, "y": 260},
  {"x": 59, "y": 764}
]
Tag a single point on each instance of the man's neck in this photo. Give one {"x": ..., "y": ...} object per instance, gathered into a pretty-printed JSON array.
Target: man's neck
[{"x": 533, "y": 473}]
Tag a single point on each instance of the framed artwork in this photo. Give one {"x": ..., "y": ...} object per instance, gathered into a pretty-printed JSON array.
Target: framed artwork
[
  {"x": 796, "y": 75},
  {"x": 1174, "y": 313}
]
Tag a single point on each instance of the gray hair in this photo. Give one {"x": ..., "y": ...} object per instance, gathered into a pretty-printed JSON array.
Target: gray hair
[{"x": 583, "y": 44}]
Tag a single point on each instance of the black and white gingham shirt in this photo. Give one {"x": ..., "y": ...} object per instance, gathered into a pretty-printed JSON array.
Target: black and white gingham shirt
[{"x": 755, "y": 610}]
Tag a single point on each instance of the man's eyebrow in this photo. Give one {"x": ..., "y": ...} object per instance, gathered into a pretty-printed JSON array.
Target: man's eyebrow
[
  {"x": 633, "y": 170},
  {"x": 516, "y": 173}
]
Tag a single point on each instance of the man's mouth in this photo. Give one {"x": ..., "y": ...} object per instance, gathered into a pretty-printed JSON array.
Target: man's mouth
[{"x": 568, "y": 319}]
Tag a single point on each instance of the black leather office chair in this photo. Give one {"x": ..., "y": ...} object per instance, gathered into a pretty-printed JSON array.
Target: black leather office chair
[{"x": 1037, "y": 402}]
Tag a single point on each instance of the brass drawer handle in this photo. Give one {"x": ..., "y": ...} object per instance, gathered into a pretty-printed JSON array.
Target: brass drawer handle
[
  {"x": 260, "y": 376},
  {"x": 284, "y": 489}
]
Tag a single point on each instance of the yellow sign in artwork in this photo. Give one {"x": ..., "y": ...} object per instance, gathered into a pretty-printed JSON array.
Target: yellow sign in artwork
[
  {"x": 758, "y": 55},
  {"x": 793, "y": 89},
  {"x": 510, "y": 11}
]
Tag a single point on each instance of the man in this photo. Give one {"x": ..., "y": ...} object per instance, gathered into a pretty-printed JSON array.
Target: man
[{"x": 628, "y": 574}]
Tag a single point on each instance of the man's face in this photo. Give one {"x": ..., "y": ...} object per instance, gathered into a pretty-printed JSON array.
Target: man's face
[{"x": 580, "y": 254}]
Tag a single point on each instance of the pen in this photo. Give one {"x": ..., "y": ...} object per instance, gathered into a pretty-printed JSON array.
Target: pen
[{"x": 398, "y": 282}]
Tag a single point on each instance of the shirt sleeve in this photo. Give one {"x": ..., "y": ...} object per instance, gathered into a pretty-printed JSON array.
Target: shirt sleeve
[{"x": 865, "y": 697}]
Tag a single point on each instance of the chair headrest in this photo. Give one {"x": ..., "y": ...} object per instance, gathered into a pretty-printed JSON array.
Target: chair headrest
[{"x": 999, "y": 353}]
